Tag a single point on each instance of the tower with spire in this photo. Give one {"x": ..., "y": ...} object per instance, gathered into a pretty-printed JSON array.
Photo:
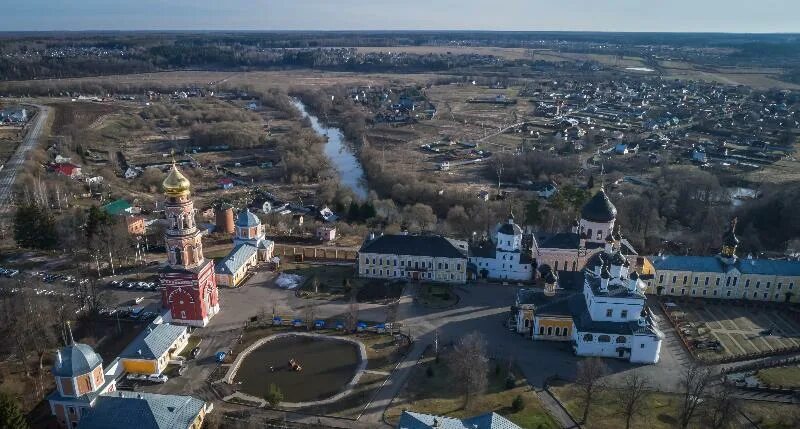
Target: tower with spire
[{"x": 189, "y": 287}]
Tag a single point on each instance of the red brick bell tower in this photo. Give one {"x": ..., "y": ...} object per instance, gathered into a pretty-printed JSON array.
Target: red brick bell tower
[{"x": 189, "y": 285}]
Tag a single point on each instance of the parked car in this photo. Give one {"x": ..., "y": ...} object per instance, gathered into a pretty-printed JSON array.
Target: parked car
[
  {"x": 157, "y": 378},
  {"x": 138, "y": 299},
  {"x": 195, "y": 351},
  {"x": 182, "y": 369}
]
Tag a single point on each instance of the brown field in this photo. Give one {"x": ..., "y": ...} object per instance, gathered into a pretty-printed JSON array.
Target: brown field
[
  {"x": 79, "y": 115},
  {"x": 758, "y": 78},
  {"x": 10, "y": 138}
]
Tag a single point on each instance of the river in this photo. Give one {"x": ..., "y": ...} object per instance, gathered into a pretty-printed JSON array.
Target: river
[{"x": 339, "y": 152}]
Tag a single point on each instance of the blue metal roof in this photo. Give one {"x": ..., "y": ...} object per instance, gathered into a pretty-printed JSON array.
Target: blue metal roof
[
  {"x": 139, "y": 410},
  {"x": 705, "y": 264},
  {"x": 153, "y": 342},
  {"x": 76, "y": 359},
  {"x": 712, "y": 264},
  {"x": 238, "y": 257},
  {"x": 246, "y": 218}
]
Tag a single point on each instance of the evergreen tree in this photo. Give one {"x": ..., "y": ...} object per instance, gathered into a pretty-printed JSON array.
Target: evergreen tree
[
  {"x": 353, "y": 214},
  {"x": 11, "y": 416},
  {"x": 533, "y": 212},
  {"x": 34, "y": 227},
  {"x": 367, "y": 211}
]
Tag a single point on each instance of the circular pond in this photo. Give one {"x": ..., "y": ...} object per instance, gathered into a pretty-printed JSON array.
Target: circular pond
[{"x": 327, "y": 367}]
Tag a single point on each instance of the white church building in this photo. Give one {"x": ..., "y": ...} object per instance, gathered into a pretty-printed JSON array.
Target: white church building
[
  {"x": 504, "y": 257},
  {"x": 601, "y": 311}
]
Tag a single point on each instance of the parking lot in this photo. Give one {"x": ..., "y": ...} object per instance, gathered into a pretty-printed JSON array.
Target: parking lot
[{"x": 723, "y": 332}]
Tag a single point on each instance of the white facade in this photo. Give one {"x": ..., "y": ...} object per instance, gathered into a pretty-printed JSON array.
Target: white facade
[{"x": 510, "y": 261}]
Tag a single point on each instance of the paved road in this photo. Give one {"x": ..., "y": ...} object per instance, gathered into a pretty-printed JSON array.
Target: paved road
[{"x": 9, "y": 173}]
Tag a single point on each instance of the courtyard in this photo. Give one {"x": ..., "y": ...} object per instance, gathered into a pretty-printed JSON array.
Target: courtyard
[{"x": 724, "y": 332}]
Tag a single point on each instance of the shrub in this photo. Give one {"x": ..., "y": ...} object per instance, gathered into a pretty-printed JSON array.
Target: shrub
[
  {"x": 429, "y": 371},
  {"x": 511, "y": 381},
  {"x": 274, "y": 395},
  {"x": 518, "y": 404}
]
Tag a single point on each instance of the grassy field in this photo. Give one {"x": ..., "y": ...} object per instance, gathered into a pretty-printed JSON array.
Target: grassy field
[
  {"x": 436, "y": 295},
  {"x": 660, "y": 410},
  {"x": 770, "y": 415},
  {"x": 786, "y": 376},
  {"x": 435, "y": 395}
]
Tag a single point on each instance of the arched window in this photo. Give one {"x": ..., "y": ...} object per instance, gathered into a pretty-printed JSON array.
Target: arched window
[
  {"x": 589, "y": 233},
  {"x": 541, "y": 330},
  {"x": 549, "y": 330},
  {"x": 621, "y": 340},
  {"x": 558, "y": 331},
  {"x": 604, "y": 339},
  {"x": 178, "y": 256},
  {"x": 588, "y": 337}
]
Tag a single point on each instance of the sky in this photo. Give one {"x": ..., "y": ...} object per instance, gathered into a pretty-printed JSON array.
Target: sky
[{"x": 733, "y": 16}]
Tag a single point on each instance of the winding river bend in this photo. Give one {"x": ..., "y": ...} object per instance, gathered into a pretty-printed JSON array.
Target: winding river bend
[{"x": 339, "y": 152}]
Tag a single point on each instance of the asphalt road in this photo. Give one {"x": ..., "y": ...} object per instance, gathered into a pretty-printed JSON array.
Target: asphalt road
[{"x": 9, "y": 173}]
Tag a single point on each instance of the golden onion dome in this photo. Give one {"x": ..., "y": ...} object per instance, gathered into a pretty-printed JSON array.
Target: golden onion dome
[{"x": 176, "y": 184}]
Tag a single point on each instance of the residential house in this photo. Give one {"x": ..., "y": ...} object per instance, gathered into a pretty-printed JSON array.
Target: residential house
[
  {"x": 226, "y": 183},
  {"x": 326, "y": 233},
  {"x": 68, "y": 169}
]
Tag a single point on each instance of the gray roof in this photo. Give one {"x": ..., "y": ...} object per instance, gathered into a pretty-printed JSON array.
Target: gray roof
[
  {"x": 416, "y": 245},
  {"x": 561, "y": 240},
  {"x": 712, "y": 264},
  {"x": 510, "y": 229},
  {"x": 412, "y": 420},
  {"x": 599, "y": 208},
  {"x": 153, "y": 342},
  {"x": 76, "y": 359},
  {"x": 139, "y": 410},
  {"x": 614, "y": 290},
  {"x": 238, "y": 257},
  {"x": 246, "y": 218}
]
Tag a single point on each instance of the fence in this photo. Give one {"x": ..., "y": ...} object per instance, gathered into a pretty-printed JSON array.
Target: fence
[{"x": 316, "y": 253}]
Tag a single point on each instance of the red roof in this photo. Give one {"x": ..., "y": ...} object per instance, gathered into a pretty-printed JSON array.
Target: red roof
[
  {"x": 67, "y": 169},
  {"x": 225, "y": 181}
]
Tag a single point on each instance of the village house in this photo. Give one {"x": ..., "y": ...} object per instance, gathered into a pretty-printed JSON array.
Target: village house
[
  {"x": 68, "y": 169},
  {"x": 134, "y": 221}
]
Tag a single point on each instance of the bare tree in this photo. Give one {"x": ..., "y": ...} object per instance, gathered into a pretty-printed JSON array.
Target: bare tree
[
  {"x": 590, "y": 371},
  {"x": 633, "y": 392},
  {"x": 499, "y": 167},
  {"x": 309, "y": 313},
  {"x": 721, "y": 408},
  {"x": 693, "y": 383},
  {"x": 351, "y": 320},
  {"x": 470, "y": 365}
]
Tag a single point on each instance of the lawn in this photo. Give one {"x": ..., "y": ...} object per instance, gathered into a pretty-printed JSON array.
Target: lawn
[
  {"x": 772, "y": 415},
  {"x": 786, "y": 376},
  {"x": 191, "y": 343},
  {"x": 660, "y": 410},
  {"x": 436, "y": 295},
  {"x": 324, "y": 278},
  {"x": 433, "y": 393}
]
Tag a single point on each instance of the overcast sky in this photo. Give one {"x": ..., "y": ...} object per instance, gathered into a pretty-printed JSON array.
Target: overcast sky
[{"x": 763, "y": 16}]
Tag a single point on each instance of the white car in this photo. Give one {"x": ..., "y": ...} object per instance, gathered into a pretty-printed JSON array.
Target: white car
[
  {"x": 139, "y": 299},
  {"x": 136, "y": 377},
  {"x": 157, "y": 378}
]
